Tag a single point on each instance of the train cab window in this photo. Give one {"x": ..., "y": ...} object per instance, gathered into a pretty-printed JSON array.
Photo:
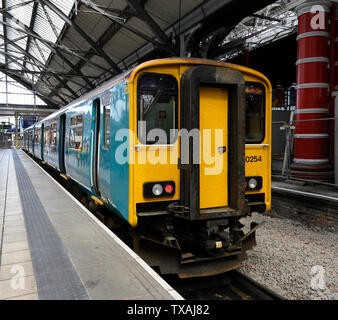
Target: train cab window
[
  {"x": 157, "y": 107},
  {"x": 76, "y": 132},
  {"x": 106, "y": 126},
  {"x": 255, "y": 112}
]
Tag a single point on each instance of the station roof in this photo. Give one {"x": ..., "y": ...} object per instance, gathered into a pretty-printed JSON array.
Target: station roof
[{"x": 61, "y": 49}]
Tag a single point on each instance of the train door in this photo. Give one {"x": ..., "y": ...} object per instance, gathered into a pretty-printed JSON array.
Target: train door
[
  {"x": 104, "y": 163},
  {"x": 61, "y": 144},
  {"x": 214, "y": 145},
  {"x": 95, "y": 143},
  {"x": 212, "y": 180},
  {"x": 42, "y": 141},
  {"x": 33, "y": 140}
]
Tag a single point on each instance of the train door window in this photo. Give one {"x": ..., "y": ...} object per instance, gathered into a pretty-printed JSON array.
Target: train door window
[
  {"x": 47, "y": 136},
  {"x": 255, "y": 112},
  {"x": 157, "y": 107},
  {"x": 76, "y": 132},
  {"x": 107, "y": 126},
  {"x": 53, "y": 135},
  {"x": 37, "y": 138}
]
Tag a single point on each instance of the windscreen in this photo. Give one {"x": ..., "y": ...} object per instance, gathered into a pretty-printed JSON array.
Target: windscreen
[
  {"x": 255, "y": 112},
  {"x": 157, "y": 108}
]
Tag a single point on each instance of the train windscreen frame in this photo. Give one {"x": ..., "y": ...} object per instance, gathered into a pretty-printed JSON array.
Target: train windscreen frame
[
  {"x": 157, "y": 106},
  {"x": 254, "y": 112}
]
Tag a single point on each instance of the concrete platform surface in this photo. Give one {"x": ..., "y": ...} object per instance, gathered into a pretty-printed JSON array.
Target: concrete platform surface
[{"x": 52, "y": 247}]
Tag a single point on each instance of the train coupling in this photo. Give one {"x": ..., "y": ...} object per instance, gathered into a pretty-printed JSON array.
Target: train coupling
[{"x": 249, "y": 239}]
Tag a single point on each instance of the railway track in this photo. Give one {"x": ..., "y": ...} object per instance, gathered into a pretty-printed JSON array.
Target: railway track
[{"x": 233, "y": 285}]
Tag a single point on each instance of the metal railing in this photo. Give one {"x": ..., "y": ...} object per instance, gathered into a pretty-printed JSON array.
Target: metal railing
[{"x": 283, "y": 140}]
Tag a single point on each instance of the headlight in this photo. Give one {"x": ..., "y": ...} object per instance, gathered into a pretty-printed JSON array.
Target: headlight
[
  {"x": 157, "y": 189},
  {"x": 252, "y": 183}
]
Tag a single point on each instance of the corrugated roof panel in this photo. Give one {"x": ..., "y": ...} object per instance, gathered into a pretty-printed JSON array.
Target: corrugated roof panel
[
  {"x": 64, "y": 5},
  {"x": 140, "y": 26},
  {"x": 74, "y": 40},
  {"x": 45, "y": 50},
  {"x": 23, "y": 13},
  {"x": 72, "y": 58},
  {"x": 123, "y": 43},
  {"x": 116, "y": 4},
  {"x": 73, "y": 86},
  {"x": 58, "y": 64},
  {"x": 13, "y": 35},
  {"x": 34, "y": 51},
  {"x": 42, "y": 26},
  {"x": 89, "y": 69},
  {"x": 168, "y": 11},
  {"x": 102, "y": 62},
  {"x": 14, "y": 52},
  {"x": 93, "y": 24}
]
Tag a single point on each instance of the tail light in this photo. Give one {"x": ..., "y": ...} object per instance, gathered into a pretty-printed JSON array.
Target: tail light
[{"x": 158, "y": 189}]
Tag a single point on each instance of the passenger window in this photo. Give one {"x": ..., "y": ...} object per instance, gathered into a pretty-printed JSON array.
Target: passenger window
[
  {"x": 107, "y": 127},
  {"x": 76, "y": 132},
  {"x": 255, "y": 112},
  {"x": 157, "y": 107}
]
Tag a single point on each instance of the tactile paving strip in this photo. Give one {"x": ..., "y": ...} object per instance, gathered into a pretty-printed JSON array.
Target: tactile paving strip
[{"x": 55, "y": 275}]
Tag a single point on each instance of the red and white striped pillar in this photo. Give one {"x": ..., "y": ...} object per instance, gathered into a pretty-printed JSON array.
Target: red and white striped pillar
[
  {"x": 311, "y": 138},
  {"x": 334, "y": 98}
]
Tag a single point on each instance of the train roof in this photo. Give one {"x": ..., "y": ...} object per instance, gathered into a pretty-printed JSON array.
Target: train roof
[
  {"x": 131, "y": 72},
  {"x": 86, "y": 96}
]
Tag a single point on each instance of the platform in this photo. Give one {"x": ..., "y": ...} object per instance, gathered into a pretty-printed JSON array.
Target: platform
[
  {"x": 306, "y": 190},
  {"x": 52, "y": 247},
  {"x": 309, "y": 201}
]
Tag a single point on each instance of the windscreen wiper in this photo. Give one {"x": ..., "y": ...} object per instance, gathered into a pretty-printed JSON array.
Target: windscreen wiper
[{"x": 157, "y": 96}]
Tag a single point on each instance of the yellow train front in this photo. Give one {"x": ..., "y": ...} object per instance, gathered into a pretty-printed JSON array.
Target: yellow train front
[{"x": 199, "y": 161}]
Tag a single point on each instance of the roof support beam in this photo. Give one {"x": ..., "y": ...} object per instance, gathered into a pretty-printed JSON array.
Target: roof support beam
[
  {"x": 112, "y": 29},
  {"x": 157, "y": 44},
  {"x": 6, "y": 9},
  {"x": 5, "y": 30},
  {"x": 60, "y": 74},
  {"x": 144, "y": 16},
  {"x": 27, "y": 107},
  {"x": 29, "y": 86},
  {"x": 24, "y": 29},
  {"x": 10, "y": 73},
  {"x": 31, "y": 27},
  {"x": 83, "y": 34},
  {"x": 40, "y": 63}
]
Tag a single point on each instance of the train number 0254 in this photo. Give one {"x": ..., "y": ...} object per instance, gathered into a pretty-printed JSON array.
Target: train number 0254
[{"x": 253, "y": 158}]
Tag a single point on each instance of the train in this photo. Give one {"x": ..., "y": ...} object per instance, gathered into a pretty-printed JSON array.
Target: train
[{"x": 178, "y": 150}]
